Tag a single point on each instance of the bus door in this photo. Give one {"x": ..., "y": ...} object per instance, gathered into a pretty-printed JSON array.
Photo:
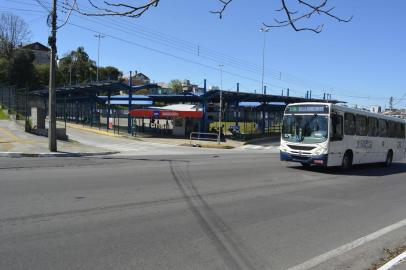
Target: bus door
[
  {"x": 335, "y": 153},
  {"x": 363, "y": 143},
  {"x": 374, "y": 143},
  {"x": 382, "y": 149}
]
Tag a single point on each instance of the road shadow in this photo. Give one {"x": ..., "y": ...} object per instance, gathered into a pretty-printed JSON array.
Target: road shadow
[
  {"x": 267, "y": 141},
  {"x": 373, "y": 169},
  {"x": 233, "y": 251}
]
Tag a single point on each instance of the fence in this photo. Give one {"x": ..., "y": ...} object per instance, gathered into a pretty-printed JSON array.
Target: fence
[
  {"x": 15, "y": 100},
  {"x": 201, "y": 136}
]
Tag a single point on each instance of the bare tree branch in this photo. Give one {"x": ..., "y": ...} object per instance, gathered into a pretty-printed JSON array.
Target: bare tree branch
[
  {"x": 292, "y": 18},
  {"x": 119, "y": 9},
  {"x": 292, "y": 21},
  {"x": 224, "y": 3},
  {"x": 13, "y": 32}
]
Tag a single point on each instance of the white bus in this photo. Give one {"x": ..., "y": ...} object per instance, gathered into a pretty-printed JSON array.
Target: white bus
[{"x": 327, "y": 134}]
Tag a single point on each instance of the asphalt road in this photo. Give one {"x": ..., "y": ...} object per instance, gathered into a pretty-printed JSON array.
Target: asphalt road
[{"x": 210, "y": 211}]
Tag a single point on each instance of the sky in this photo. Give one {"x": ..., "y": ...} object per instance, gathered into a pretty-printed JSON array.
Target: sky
[{"x": 361, "y": 62}]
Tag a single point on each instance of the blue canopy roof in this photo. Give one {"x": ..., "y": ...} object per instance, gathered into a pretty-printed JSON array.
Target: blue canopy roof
[
  {"x": 125, "y": 97},
  {"x": 134, "y": 102},
  {"x": 257, "y": 104}
]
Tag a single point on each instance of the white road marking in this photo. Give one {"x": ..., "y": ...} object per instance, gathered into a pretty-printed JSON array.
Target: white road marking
[
  {"x": 347, "y": 247},
  {"x": 259, "y": 147},
  {"x": 393, "y": 262}
]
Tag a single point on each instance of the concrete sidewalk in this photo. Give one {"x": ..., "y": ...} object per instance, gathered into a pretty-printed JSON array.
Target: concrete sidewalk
[
  {"x": 150, "y": 139},
  {"x": 15, "y": 142}
]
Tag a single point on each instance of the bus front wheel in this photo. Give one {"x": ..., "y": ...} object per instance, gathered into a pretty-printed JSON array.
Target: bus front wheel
[{"x": 347, "y": 161}]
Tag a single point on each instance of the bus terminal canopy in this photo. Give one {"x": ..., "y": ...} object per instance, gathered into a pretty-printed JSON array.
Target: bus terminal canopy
[
  {"x": 113, "y": 90},
  {"x": 171, "y": 111},
  {"x": 154, "y": 113}
]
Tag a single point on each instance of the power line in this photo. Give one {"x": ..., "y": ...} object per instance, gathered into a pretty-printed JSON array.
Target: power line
[
  {"x": 47, "y": 8},
  {"x": 400, "y": 99},
  {"x": 168, "y": 54},
  {"x": 20, "y": 9},
  {"x": 212, "y": 55},
  {"x": 183, "y": 45}
]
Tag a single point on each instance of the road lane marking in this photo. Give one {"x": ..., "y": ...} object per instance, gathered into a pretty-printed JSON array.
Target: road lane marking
[{"x": 347, "y": 247}]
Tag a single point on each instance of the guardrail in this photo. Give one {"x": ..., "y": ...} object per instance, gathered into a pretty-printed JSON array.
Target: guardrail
[{"x": 201, "y": 136}]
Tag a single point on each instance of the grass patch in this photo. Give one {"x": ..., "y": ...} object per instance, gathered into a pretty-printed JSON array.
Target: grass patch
[
  {"x": 3, "y": 116},
  {"x": 247, "y": 127}
]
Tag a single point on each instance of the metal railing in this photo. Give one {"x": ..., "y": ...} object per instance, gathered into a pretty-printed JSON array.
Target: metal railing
[{"x": 201, "y": 136}]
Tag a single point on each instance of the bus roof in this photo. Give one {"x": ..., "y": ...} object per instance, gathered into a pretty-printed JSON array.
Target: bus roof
[{"x": 352, "y": 110}]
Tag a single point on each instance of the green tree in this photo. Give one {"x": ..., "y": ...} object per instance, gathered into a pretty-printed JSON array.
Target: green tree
[
  {"x": 77, "y": 67},
  {"x": 176, "y": 85},
  {"x": 42, "y": 74},
  {"x": 4, "y": 68},
  {"x": 21, "y": 69},
  {"x": 109, "y": 73}
]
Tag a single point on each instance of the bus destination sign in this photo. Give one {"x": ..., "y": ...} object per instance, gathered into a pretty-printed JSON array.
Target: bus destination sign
[{"x": 307, "y": 109}]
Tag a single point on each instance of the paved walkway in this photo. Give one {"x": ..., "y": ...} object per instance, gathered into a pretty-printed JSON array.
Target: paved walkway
[
  {"x": 132, "y": 145},
  {"x": 13, "y": 139},
  {"x": 129, "y": 145},
  {"x": 86, "y": 141},
  {"x": 144, "y": 138}
]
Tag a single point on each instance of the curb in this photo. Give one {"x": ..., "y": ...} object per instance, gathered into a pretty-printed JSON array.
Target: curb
[
  {"x": 393, "y": 262},
  {"x": 57, "y": 154}
]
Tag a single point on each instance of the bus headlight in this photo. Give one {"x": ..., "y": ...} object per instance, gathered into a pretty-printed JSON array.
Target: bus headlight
[{"x": 321, "y": 151}]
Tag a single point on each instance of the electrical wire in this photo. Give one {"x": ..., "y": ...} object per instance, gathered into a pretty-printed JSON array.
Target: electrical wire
[{"x": 206, "y": 53}]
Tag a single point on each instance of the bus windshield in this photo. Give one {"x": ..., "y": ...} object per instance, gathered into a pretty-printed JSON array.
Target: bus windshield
[{"x": 305, "y": 128}]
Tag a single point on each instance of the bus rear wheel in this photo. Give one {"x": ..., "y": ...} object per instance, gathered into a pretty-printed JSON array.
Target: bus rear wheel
[
  {"x": 346, "y": 164},
  {"x": 389, "y": 159}
]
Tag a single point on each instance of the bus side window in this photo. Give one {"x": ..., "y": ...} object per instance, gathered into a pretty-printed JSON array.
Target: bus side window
[
  {"x": 399, "y": 130},
  {"x": 382, "y": 128},
  {"x": 337, "y": 127},
  {"x": 391, "y": 129},
  {"x": 373, "y": 127},
  {"x": 361, "y": 125},
  {"x": 349, "y": 124}
]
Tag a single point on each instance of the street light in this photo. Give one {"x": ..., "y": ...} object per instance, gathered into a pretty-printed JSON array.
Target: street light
[
  {"x": 220, "y": 101},
  {"x": 263, "y": 30},
  {"x": 99, "y": 36}
]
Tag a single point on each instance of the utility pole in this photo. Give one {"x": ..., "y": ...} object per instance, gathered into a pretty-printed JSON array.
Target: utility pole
[
  {"x": 99, "y": 36},
  {"x": 70, "y": 74},
  {"x": 391, "y": 103},
  {"x": 52, "y": 92},
  {"x": 130, "y": 99},
  {"x": 263, "y": 30},
  {"x": 220, "y": 101}
]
